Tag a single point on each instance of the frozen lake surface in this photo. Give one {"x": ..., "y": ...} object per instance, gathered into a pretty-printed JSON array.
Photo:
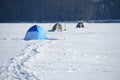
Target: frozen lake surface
[{"x": 90, "y": 53}]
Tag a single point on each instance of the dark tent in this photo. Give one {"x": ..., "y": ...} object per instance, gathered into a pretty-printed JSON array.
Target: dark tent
[{"x": 80, "y": 25}]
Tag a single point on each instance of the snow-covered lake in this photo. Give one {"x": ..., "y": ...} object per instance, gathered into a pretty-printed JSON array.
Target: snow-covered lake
[{"x": 90, "y": 53}]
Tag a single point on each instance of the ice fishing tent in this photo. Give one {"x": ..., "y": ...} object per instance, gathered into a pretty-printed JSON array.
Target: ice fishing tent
[
  {"x": 80, "y": 25},
  {"x": 35, "y": 33},
  {"x": 58, "y": 27}
]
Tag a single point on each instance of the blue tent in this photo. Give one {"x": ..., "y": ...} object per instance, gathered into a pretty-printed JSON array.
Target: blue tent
[{"x": 35, "y": 33}]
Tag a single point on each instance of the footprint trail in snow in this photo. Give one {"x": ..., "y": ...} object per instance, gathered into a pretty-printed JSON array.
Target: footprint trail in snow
[{"x": 39, "y": 58}]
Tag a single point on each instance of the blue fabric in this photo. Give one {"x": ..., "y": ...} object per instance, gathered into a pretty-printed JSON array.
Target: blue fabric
[{"x": 35, "y": 33}]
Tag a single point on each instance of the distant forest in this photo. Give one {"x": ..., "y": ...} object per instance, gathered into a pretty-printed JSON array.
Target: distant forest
[{"x": 58, "y": 10}]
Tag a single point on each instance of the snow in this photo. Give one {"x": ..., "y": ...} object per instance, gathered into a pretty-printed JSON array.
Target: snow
[{"x": 90, "y": 53}]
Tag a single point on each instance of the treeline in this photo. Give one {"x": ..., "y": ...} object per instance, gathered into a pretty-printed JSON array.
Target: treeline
[{"x": 58, "y": 10}]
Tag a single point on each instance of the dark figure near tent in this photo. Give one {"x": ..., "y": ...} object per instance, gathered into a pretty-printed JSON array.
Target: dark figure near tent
[{"x": 80, "y": 25}]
